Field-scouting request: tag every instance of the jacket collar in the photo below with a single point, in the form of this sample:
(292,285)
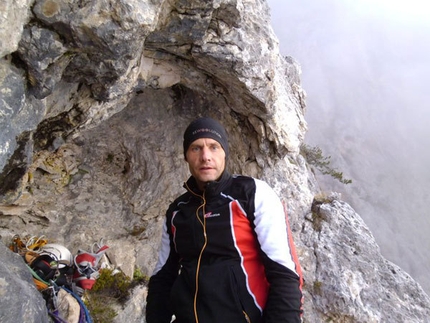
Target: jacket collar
(212,188)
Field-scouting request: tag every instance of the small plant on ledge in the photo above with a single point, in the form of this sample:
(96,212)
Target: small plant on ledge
(315,158)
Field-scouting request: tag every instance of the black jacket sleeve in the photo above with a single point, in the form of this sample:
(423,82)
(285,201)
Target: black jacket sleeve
(284,302)
(284,299)
(158,308)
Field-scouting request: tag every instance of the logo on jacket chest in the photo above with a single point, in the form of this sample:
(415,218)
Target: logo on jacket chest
(211,215)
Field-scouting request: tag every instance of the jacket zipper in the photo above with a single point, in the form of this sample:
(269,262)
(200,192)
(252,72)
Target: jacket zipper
(203,223)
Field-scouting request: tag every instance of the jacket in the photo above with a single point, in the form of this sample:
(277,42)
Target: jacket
(226,257)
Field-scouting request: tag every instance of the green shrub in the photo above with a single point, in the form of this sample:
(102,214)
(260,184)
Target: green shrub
(139,277)
(111,290)
(317,287)
(315,158)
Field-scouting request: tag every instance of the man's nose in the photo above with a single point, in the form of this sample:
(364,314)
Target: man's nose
(206,154)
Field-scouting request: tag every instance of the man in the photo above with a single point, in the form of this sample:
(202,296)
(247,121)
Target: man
(226,253)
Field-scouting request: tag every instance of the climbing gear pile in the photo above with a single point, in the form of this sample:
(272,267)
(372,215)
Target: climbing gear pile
(61,277)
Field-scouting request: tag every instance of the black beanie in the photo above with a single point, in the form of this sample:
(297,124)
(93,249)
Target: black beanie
(205,128)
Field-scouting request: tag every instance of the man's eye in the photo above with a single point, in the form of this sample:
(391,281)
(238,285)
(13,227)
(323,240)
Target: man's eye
(195,148)
(215,147)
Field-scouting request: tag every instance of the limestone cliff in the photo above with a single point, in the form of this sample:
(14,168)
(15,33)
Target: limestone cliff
(95,96)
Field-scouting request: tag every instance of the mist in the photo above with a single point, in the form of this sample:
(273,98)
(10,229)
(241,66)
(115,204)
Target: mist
(366,71)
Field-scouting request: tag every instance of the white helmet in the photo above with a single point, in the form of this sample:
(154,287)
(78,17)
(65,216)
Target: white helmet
(59,253)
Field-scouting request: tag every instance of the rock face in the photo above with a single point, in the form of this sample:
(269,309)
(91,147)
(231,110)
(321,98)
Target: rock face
(20,300)
(95,97)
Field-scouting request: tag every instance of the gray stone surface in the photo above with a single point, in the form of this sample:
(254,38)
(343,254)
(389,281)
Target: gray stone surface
(114,90)
(20,301)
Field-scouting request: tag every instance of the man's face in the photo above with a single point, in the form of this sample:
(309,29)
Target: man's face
(206,160)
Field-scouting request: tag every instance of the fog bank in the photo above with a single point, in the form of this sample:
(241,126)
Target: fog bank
(366,71)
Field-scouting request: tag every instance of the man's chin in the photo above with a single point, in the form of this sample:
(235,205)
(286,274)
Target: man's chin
(207,179)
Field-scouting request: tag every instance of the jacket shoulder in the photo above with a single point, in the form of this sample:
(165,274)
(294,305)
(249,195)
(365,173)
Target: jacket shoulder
(243,180)
(244,184)
(243,189)
(184,198)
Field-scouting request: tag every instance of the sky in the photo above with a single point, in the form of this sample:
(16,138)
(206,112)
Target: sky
(410,11)
(366,71)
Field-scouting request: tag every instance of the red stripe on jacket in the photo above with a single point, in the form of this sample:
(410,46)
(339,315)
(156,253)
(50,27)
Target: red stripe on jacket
(293,251)
(247,246)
